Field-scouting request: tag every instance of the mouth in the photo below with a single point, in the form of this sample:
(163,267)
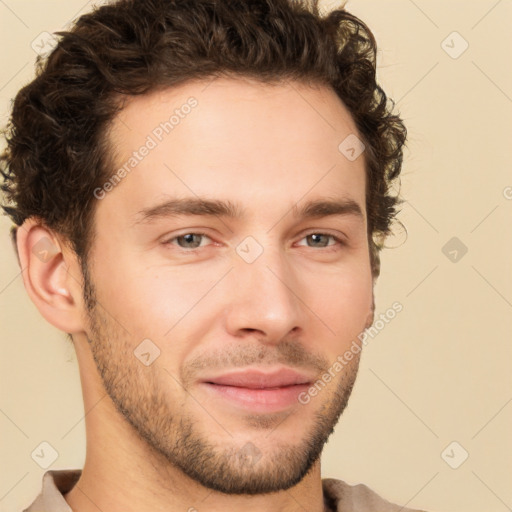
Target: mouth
(259,391)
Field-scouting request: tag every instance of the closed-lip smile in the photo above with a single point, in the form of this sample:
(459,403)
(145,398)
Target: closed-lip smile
(259,390)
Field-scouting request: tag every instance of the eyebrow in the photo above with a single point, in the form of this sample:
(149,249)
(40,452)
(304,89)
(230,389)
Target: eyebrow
(195,206)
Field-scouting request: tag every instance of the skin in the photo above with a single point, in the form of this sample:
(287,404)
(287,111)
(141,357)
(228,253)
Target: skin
(156,439)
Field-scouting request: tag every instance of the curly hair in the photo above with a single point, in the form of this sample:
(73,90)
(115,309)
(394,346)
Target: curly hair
(56,154)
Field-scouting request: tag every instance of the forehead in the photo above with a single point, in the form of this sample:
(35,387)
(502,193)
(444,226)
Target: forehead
(234,138)
(234,102)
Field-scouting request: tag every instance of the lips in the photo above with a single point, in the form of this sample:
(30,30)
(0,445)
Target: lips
(258,391)
(254,379)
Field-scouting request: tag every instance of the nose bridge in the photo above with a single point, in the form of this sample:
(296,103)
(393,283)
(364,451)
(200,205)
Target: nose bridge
(264,295)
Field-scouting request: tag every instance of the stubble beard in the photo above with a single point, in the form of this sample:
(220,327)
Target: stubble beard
(177,438)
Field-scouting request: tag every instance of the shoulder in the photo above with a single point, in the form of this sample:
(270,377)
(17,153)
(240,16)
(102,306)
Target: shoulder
(341,496)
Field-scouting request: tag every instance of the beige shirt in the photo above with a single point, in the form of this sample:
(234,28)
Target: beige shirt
(338,496)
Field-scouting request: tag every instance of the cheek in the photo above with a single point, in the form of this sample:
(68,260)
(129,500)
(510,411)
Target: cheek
(343,303)
(156,302)
(135,298)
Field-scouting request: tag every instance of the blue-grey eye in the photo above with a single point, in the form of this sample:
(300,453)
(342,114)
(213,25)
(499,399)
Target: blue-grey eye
(191,240)
(321,240)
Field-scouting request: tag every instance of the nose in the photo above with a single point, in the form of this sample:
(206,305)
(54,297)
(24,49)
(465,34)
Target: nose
(264,299)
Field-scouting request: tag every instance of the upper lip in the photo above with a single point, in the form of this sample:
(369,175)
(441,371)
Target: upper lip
(258,379)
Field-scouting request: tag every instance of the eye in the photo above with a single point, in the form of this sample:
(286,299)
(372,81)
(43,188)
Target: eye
(188,240)
(194,241)
(321,240)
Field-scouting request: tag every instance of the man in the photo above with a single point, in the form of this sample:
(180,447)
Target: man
(201,191)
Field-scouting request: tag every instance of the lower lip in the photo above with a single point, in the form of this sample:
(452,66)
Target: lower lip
(259,400)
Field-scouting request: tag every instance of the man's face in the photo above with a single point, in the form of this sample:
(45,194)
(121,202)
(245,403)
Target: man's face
(214,296)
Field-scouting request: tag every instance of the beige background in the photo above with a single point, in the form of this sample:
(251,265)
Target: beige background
(441,370)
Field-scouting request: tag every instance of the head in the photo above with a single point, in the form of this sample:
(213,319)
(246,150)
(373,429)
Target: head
(153,122)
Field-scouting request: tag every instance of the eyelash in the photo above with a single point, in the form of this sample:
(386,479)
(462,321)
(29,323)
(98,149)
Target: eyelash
(332,247)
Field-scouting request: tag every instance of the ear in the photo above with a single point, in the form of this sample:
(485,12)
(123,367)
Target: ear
(371,314)
(51,275)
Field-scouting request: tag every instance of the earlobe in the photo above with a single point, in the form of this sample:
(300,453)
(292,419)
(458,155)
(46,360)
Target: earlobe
(48,276)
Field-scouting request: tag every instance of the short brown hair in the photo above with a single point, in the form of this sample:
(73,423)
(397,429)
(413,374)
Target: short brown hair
(56,152)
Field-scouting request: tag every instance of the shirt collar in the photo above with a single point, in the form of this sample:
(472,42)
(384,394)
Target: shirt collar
(56,483)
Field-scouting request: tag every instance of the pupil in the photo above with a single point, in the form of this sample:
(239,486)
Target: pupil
(189,238)
(316,238)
